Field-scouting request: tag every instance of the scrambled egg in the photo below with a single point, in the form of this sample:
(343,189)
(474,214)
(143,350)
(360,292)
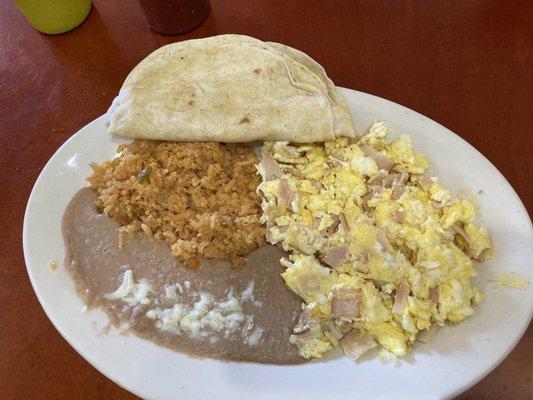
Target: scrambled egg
(375,245)
(511,280)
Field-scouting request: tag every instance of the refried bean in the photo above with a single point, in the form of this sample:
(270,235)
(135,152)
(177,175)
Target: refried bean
(199,198)
(263,310)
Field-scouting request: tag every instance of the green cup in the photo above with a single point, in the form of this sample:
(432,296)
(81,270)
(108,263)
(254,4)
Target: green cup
(54,16)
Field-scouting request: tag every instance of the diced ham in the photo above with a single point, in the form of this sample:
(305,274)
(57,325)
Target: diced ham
(338,159)
(343,326)
(425,180)
(305,322)
(383,241)
(343,224)
(308,284)
(397,192)
(389,180)
(377,177)
(383,162)
(356,343)
(399,216)
(404,176)
(367,197)
(372,191)
(361,261)
(345,303)
(396,181)
(434,295)
(337,255)
(401,297)
(268,167)
(286,194)
(339,155)
(375,188)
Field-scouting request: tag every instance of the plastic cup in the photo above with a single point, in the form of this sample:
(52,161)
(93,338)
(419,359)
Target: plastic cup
(54,16)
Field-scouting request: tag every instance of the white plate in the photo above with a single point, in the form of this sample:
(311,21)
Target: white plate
(455,359)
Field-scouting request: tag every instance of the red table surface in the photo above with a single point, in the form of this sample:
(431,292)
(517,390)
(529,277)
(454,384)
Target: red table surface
(465,64)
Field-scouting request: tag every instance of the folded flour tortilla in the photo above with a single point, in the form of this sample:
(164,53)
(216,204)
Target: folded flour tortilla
(229,88)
